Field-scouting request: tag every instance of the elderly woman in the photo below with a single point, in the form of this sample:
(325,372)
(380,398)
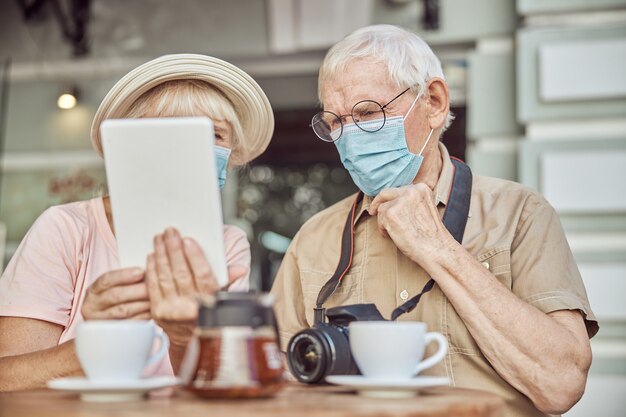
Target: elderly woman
(509,297)
(66,269)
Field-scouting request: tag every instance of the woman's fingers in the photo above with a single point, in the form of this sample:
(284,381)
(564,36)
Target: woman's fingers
(121,311)
(182,268)
(203,275)
(152,281)
(113,288)
(141,316)
(126,310)
(183,278)
(122,294)
(176,309)
(117,277)
(163,270)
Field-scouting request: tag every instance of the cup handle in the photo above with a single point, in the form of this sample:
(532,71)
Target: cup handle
(163,349)
(438,356)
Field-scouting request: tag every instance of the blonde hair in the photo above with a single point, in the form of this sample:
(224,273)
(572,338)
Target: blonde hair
(187,98)
(410,61)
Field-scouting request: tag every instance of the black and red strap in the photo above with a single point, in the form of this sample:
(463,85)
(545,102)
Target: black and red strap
(345,261)
(454,219)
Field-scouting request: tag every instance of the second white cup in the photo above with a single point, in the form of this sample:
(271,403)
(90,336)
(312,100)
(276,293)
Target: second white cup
(393,350)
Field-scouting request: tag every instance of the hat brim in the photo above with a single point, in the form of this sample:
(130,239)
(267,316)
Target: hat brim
(247,97)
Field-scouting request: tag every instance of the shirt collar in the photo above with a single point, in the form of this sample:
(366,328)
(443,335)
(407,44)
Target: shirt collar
(441,192)
(365,205)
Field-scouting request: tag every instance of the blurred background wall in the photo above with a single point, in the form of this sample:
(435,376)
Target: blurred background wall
(538,87)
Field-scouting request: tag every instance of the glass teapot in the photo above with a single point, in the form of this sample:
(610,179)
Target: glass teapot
(234,351)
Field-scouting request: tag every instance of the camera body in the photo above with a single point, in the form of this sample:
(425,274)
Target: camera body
(324,349)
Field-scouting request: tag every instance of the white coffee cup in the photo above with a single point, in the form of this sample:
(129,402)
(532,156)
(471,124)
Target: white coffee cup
(393,350)
(118,350)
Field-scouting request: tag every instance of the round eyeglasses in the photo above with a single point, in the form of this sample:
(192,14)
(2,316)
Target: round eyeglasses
(367,115)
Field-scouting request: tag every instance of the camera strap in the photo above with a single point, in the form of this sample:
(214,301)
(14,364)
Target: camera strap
(454,219)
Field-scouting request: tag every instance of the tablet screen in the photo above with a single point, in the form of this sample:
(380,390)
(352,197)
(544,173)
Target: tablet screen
(161,173)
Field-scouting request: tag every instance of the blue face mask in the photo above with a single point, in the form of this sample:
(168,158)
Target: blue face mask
(221,163)
(381,159)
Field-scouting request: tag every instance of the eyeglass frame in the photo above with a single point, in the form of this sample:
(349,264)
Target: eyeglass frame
(340,117)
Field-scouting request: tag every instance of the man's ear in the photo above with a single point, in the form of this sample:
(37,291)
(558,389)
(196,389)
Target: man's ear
(438,99)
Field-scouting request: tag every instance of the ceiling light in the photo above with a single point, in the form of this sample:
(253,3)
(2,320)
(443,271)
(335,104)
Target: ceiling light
(68,98)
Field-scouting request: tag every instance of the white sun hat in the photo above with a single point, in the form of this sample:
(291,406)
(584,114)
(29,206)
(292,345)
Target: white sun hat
(247,97)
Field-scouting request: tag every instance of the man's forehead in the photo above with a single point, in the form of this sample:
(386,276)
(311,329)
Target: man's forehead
(357,72)
(367,82)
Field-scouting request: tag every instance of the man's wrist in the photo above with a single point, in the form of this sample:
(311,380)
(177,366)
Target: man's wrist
(443,257)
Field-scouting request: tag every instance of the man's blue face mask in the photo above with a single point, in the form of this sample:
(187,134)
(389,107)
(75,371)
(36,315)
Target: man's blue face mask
(221,164)
(381,159)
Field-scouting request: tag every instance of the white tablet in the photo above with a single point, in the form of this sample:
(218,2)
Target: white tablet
(161,173)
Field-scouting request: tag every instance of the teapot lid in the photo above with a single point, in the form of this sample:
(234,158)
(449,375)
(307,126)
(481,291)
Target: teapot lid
(236,309)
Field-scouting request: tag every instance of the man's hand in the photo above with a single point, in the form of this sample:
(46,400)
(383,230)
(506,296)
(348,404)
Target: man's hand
(409,217)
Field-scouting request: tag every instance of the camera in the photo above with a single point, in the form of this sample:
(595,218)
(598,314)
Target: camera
(324,349)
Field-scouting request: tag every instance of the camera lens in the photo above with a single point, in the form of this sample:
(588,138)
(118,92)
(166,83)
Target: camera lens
(307,358)
(314,353)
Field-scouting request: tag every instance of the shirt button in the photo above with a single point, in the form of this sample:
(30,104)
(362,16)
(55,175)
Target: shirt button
(486,264)
(404,295)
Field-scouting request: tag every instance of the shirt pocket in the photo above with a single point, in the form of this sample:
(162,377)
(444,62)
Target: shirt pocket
(350,291)
(498,262)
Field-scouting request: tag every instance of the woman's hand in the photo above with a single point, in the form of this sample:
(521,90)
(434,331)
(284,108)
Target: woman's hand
(176,273)
(117,295)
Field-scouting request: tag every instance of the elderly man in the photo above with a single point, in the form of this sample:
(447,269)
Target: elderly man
(509,299)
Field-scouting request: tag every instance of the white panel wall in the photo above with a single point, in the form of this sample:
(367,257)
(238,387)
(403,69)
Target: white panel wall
(605,396)
(585,181)
(570,72)
(582,70)
(301,25)
(606,287)
(571,91)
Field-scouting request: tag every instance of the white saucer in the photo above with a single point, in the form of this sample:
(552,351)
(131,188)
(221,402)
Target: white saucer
(387,387)
(108,391)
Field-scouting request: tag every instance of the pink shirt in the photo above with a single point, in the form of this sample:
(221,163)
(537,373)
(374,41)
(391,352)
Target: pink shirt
(64,252)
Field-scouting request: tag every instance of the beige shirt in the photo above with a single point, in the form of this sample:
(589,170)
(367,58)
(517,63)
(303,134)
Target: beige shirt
(511,230)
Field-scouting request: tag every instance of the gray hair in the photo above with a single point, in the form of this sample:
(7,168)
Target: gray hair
(409,60)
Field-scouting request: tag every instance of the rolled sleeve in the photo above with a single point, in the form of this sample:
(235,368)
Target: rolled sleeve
(39,280)
(542,265)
